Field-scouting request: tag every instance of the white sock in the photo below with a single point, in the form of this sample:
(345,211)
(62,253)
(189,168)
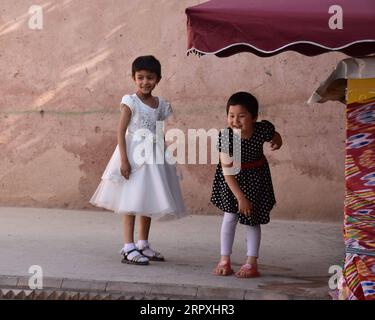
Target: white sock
(128,246)
(141,244)
(131,246)
(145,246)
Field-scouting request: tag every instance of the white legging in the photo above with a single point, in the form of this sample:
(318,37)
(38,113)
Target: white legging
(228,230)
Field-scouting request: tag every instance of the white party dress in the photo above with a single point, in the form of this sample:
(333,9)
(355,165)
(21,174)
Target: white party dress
(153,187)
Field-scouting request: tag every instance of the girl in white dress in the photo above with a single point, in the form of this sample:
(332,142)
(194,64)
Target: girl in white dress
(138,179)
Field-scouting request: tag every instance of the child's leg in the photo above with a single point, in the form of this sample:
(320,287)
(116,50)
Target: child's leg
(250,268)
(128,222)
(144,227)
(253,236)
(143,244)
(228,229)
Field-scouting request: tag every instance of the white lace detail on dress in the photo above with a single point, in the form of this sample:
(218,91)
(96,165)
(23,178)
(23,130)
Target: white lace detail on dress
(143,116)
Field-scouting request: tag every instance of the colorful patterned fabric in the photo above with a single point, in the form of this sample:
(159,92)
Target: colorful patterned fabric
(358,279)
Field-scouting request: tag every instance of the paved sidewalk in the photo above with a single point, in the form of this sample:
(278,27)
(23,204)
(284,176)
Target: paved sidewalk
(79,250)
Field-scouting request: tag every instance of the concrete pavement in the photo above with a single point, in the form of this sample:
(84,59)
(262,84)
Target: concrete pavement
(79,250)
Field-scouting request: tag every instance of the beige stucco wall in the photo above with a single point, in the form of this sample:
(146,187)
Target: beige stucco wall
(61,87)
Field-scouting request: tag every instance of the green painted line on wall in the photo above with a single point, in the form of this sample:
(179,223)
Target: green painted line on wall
(63,113)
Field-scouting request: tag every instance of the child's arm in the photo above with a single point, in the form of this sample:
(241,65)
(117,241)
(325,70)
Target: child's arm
(244,205)
(276,141)
(170,122)
(169,117)
(123,124)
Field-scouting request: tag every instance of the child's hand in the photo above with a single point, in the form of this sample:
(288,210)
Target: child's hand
(276,142)
(245,206)
(125,169)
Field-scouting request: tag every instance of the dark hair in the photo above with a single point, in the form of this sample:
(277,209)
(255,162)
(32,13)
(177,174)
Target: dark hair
(149,63)
(246,100)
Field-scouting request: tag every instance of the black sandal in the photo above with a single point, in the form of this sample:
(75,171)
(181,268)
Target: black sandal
(135,259)
(157,256)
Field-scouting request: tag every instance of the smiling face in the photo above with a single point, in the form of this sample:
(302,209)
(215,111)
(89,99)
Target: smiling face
(145,81)
(240,118)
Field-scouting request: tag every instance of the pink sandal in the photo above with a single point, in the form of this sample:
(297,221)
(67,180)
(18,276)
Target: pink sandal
(247,271)
(223,269)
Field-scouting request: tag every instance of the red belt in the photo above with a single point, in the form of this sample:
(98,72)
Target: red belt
(253,164)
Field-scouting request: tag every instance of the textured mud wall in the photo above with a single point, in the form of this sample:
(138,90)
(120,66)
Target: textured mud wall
(61,87)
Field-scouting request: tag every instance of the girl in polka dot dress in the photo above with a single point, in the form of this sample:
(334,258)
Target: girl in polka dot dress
(246,195)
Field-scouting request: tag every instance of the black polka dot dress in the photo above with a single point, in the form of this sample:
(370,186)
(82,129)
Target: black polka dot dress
(255,183)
